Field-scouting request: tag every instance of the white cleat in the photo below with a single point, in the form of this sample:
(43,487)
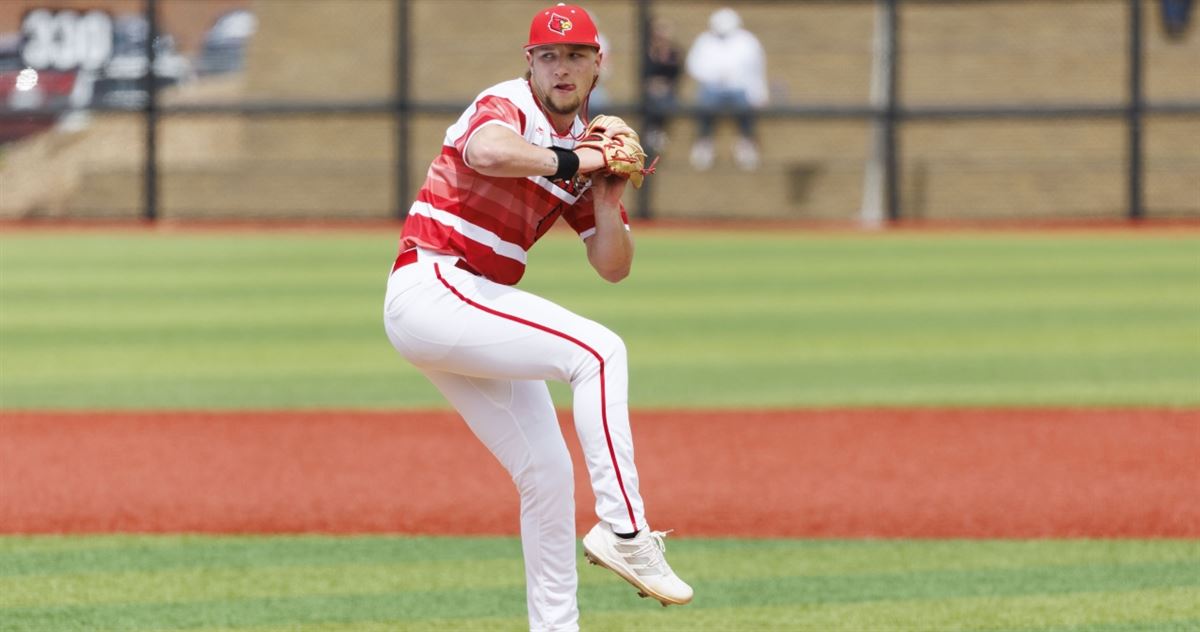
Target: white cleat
(639,561)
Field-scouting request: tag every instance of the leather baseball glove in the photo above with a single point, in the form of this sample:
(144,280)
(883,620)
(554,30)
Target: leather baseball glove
(620,146)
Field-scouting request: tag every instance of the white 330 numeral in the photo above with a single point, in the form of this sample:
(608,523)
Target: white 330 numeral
(65,40)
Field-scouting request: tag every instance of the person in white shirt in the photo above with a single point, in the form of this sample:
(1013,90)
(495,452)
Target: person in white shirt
(730,65)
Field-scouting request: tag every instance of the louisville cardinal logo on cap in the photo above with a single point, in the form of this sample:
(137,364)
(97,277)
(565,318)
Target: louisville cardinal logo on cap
(562,24)
(559,24)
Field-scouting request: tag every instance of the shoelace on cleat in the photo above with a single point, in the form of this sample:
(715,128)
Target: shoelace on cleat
(649,557)
(659,538)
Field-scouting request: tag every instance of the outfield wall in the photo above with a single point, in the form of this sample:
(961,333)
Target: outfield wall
(819,53)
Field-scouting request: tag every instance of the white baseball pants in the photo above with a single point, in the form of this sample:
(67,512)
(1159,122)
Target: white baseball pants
(488,348)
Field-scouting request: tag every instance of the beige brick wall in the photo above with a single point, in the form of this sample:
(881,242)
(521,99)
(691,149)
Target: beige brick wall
(338,50)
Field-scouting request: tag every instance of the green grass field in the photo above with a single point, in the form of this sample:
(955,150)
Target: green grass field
(385,583)
(200,320)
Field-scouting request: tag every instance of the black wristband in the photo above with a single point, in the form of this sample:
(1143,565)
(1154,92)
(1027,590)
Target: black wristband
(568,164)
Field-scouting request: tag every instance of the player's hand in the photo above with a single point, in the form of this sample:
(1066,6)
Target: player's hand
(608,126)
(619,148)
(608,188)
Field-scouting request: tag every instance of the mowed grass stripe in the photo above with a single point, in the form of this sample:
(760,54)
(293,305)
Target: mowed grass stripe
(207,584)
(701,564)
(737,559)
(65,555)
(1165,609)
(946,584)
(50,555)
(252,582)
(934,594)
(239,613)
(1135,611)
(1168,609)
(131,320)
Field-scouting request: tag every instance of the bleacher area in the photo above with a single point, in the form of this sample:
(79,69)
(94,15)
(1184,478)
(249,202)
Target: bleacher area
(819,53)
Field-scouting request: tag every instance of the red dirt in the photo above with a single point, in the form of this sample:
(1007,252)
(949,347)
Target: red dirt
(813,473)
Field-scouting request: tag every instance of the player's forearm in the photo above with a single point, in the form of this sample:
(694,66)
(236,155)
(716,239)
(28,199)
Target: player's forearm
(610,249)
(499,152)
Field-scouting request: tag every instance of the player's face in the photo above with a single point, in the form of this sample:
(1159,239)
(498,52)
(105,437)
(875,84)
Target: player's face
(562,74)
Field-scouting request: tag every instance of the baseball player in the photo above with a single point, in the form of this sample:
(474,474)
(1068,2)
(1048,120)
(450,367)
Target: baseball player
(519,158)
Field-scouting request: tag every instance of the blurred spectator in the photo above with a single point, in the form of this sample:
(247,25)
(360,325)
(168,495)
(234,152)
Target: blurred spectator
(224,48)
(664,63)
(730,65)
(1175,17)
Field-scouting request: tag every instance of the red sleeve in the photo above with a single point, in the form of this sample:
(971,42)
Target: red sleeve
(490,109)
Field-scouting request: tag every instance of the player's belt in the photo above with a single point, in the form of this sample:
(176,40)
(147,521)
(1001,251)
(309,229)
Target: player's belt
(410,256)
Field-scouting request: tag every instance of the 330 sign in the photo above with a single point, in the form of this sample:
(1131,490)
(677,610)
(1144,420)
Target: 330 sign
(66,39)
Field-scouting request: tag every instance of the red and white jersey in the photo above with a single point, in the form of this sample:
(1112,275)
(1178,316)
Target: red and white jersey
(492,222)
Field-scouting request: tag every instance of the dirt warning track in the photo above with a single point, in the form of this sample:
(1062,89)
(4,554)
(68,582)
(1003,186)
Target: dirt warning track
(813,473)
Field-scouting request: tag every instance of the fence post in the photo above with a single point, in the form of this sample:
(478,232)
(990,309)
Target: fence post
(643,32)
(150,177)
(891,151)
(402,110)
(875,198)
(1134,111)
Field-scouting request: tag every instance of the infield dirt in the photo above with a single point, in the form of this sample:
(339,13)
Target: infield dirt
(925,473)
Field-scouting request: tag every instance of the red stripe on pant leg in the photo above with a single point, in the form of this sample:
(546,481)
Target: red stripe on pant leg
(603,401)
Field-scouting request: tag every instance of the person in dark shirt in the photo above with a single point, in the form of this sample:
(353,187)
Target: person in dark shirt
(664,63)
(1175,17)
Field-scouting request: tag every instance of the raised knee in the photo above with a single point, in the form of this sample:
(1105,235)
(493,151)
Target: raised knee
(610,347)
(604,349)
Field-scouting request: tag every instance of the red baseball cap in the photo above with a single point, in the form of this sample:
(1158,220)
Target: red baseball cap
(563,24)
